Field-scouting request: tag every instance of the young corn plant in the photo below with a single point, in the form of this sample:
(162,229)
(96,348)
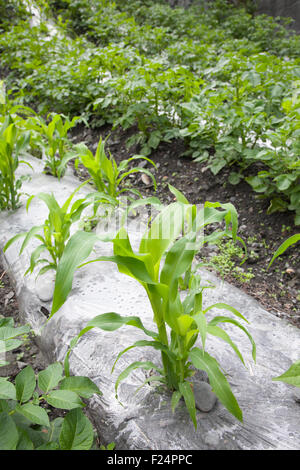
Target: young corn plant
(107,176)
(54,233)
(12,144)
(215,238)
(56,145)
(162,259)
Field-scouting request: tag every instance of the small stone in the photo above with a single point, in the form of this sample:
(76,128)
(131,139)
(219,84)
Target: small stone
(290,271)
(146,180)
(205,399)
(45,287)
(200,376)
(10,295)
(21,364)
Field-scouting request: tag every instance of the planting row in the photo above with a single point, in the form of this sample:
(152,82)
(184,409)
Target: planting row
(163,264)
(224,81)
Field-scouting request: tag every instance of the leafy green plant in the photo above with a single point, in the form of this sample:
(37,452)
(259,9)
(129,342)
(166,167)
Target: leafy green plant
(186,318)
(225,262)
(24,421)
(107,176)
(55,230)
(9,334)
(284,246)
(57,144)
(12,144)
(291,376)
(216,77)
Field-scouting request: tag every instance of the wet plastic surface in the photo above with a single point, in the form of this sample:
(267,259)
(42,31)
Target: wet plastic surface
(145,420)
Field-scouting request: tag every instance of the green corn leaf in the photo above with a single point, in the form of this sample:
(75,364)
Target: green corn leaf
(220,333)
(178,194)
(68,201)
(35,256)
(147,365)
(153,201)
(50,202)
(223,306)
(77,431)
(221,319)
(184,322)
(143,343)
(138,170)
(163,231)
(178,260)
(44,269)
(291,376)
(203,361)
(13,240)
(30,234)
(110,321)
(186,390)
(284,246)
(76,251)
(175,399)
(201,323)
(135,266)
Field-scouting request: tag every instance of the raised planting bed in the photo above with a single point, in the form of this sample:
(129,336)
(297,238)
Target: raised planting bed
(145,420)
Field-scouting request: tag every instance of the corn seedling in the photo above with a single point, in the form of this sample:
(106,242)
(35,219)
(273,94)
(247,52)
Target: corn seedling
(107,176)
(56,143)
(55,232)
(186,319)
(12,144)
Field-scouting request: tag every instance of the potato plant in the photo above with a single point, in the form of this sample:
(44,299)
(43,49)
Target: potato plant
(171,75)
(24,421)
